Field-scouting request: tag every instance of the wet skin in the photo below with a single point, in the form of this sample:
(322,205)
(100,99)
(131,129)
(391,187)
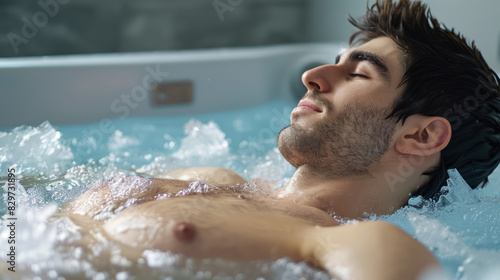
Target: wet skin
(229,223)
(194,221)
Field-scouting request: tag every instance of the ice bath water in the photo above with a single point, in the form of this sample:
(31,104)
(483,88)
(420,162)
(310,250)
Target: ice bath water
(55,164)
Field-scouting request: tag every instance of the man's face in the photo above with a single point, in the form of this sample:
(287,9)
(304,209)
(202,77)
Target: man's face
(339,126)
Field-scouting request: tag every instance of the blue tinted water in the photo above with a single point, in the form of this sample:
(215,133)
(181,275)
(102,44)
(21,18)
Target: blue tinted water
(57,163)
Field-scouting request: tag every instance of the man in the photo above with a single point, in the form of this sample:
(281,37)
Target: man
(384,123)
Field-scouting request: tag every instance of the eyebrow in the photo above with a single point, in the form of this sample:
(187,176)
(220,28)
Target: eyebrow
(372,58)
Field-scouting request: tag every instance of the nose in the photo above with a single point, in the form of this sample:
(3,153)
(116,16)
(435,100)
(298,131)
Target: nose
(319,78)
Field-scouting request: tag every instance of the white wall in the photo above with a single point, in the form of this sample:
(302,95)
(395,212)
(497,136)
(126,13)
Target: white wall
(478,20)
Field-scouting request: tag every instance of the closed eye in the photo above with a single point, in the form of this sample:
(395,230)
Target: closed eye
(358,75)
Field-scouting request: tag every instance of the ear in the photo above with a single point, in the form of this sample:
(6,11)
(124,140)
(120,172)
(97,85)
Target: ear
(422,135)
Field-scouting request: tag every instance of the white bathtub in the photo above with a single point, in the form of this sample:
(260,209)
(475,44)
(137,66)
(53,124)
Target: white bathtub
(88,88)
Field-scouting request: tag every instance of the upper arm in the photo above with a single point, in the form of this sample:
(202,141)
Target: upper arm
(374,250)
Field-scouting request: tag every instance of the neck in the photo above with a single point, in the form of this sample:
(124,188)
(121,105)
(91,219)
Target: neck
(344,197)
(348,197)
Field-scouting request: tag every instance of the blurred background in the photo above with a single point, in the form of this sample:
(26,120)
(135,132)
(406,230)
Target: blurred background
(61,27)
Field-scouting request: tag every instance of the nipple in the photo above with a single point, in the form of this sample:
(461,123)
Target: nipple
(184,232)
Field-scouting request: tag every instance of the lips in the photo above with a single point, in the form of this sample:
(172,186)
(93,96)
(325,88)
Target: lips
(306,105)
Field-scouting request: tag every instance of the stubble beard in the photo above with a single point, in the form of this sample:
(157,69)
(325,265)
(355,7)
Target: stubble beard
(342,147)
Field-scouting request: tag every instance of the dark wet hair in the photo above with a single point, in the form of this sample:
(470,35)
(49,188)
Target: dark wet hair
(444,76)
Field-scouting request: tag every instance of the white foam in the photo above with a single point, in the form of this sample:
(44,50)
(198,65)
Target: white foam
(273,167)
(35,150)
(493,186)
(438,237)
(457,190)
(158,259)
(259,187)
(179,267)
(196,187)
(202,141)
(460,228)
(122,186)
(35,238)
(118,141)
(170,142)
(203,145)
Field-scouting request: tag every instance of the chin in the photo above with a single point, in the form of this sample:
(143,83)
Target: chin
(302,125)
(294,143)
(286,148)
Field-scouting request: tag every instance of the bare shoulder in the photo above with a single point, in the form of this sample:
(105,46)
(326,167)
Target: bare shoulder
(111,195)
(210,175)
(372,250)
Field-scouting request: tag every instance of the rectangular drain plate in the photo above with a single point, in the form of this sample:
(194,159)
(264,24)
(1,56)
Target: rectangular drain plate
(172,93)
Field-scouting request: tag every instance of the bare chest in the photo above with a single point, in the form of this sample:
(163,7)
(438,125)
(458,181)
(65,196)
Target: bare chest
(192,199)
(204,204)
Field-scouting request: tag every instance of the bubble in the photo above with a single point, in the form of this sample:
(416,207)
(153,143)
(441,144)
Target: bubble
(118,141)
(202,140)
(460,228)
(258,187)
(122,186)
(272,167)
(34,237)
(34,150)
(196,187)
